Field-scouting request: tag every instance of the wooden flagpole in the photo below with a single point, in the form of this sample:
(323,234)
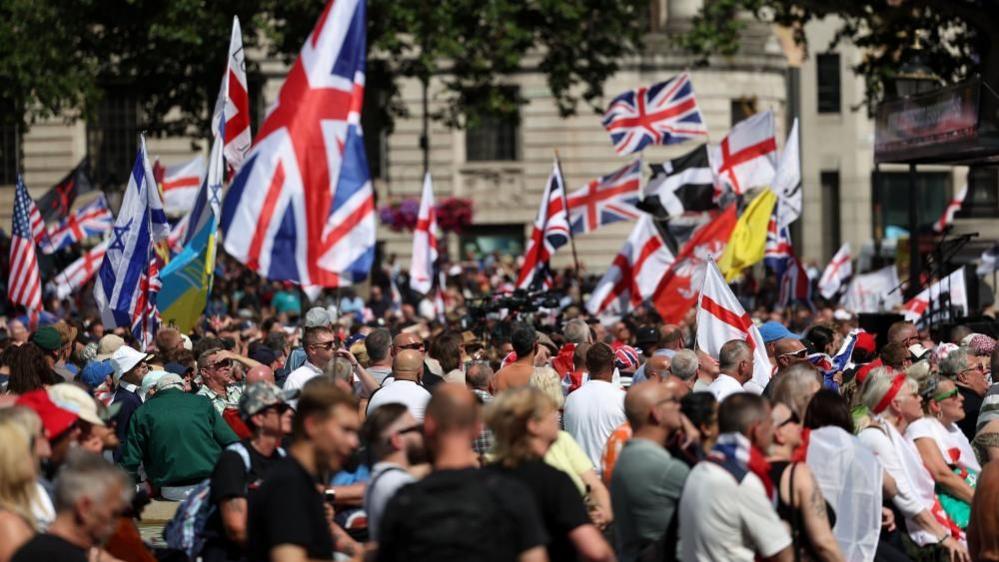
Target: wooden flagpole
(572,239)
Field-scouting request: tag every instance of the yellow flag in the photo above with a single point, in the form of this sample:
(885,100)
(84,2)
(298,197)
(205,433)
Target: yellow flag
(749,238)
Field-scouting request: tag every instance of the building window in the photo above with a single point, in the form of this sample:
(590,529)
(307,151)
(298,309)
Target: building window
(10,148)
(113,138)
(742,109)
(828,75)
(982,200)
(375,124)
(493,138)
(482,240)
(894,192)
(831,234)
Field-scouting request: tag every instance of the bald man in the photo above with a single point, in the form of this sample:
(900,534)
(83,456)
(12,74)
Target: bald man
(259,373)
(454,489)
(657,368)
(789,351)
(647,480)
(404,385)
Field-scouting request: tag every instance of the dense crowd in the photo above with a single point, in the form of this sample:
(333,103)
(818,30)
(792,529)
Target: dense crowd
(382,429)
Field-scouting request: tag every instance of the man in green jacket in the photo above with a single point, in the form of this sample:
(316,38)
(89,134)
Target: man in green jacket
(177,438)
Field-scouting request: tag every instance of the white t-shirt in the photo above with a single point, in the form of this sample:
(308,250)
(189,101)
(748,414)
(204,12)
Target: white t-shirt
(946,439)
(914,482)
(386,478)
(725,386)
(727,521)
(401,391)
(297,379)
(591,414)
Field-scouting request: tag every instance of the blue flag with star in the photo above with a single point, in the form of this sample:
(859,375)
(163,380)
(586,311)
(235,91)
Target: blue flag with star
(127,281)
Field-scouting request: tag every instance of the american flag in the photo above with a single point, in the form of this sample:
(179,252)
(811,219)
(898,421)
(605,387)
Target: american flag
(24,286)
(665,113)
(92,219)
(606,200)
(551,232)
(302,204)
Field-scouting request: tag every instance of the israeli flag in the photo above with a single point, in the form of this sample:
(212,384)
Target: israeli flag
(125,284)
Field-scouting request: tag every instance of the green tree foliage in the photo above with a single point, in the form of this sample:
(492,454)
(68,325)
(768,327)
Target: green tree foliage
(58,57)
(954,38)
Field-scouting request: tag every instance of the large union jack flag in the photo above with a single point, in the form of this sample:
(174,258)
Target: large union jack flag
(665,113)
(301,208)
(92,219)
(611,198)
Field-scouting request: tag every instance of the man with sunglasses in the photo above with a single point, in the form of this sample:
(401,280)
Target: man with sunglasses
(395,443)
(217,369)
(243,466)
(320,346)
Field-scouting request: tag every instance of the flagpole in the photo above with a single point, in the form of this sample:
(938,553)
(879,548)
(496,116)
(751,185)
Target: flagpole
(572,239)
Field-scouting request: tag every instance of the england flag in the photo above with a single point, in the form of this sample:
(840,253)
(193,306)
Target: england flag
(838,273)
(747,156)
(301,208)
(425,236)
(635,272)
(232,107)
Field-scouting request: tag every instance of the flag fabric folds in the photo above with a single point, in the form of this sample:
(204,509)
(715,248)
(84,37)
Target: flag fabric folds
(76,274)
(721,318)
(792,279)
(232,106)
(939,299)
(787,179)
(634,273)
(747,156)
(128,279)
(664,113)
(947,218)
(747,244)
(425,236)
(551,231)
(676,293)
(876,291)
(301,208)
(179,184)
(837,273)
(686,183)
(58,200)
(24,286)
(92,219)
(606,200)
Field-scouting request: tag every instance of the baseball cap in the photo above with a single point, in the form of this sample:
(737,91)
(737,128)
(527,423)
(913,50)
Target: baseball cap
(47,338)
(72,398)
(262,354)
(125,359)
(317,316)
(176,368)
(107,345)
(260,395)
(55,419)
(626,358)
(773,331)
(95,372)
(169,380)
(647,335)
(150,380)
(865,342)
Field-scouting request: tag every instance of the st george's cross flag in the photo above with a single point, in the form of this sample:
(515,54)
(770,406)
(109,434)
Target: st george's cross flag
(301,208)
(836,275)
(24,284)
(128,279)
(425,237)
(721,318)
(179,184)
(940,299)
(634,273)
(232,106)
(609,199)
(664,113)
(76,274)
(550,232)
(747,156)
(953,206)
(680,185)
(787,179)
(92,219)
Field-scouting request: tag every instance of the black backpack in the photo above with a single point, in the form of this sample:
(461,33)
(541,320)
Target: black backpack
(454,518)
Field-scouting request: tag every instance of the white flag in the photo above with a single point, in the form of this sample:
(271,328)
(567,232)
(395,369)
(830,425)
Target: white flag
(787,181)
(231,115)
(874,292)
(425,236)
(80,271)
(952,208)
(839,270)
(721,318)
(635,273)
(180,185)
(747,156)
(952,287)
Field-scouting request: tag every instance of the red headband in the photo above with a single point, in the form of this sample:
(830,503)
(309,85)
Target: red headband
(896,385)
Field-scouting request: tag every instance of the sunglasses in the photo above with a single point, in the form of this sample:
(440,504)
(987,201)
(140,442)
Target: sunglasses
(944,396)
(223,364)
(325,345)
(800,354)
(417,345)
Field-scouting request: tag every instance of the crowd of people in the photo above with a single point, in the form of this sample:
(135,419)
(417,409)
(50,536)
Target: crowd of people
(371,429)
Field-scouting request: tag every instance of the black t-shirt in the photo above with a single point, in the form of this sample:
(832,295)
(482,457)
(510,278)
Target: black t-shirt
(562,508)
(46,548)
(288,509)
(972,406)
(231,480)
(461,515)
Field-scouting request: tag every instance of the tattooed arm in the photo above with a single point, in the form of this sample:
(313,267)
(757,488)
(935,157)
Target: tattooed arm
(809,500)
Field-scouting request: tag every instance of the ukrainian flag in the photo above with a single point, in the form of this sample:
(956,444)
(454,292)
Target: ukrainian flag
(187,280)
(749,238)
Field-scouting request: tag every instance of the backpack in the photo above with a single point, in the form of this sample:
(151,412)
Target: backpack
(453,520)
(186,529)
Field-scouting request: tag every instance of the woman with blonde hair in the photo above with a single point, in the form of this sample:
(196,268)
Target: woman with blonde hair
(525,425)
(893,402)
(18,488)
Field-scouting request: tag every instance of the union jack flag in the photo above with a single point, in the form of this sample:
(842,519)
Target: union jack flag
(551,232)
(665,113)
(92,219)
(609,199)
(791,275)
(301,207)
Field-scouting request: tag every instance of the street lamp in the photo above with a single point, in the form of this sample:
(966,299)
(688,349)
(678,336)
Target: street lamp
(914,77)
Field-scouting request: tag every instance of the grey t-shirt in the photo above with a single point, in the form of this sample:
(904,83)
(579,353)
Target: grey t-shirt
(645,490)
(386,479)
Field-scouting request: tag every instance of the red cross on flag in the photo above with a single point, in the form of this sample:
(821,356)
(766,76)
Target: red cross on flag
(425,235)
(747,156)
(635,272)
(80,271)
(837,273)
(721,318)
(944,295)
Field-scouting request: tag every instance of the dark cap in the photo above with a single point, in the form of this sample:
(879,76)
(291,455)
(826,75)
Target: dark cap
(647,335)
(263,354)
(47,338)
